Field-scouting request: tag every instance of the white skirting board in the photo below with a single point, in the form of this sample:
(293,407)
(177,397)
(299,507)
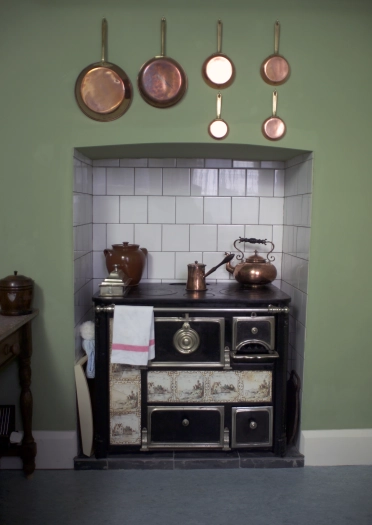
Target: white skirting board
(336,447)
(55,450)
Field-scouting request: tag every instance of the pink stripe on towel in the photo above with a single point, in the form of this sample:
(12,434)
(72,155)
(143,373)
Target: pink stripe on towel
(132,348)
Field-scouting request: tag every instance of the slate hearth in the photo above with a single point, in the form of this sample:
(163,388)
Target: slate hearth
(191,460)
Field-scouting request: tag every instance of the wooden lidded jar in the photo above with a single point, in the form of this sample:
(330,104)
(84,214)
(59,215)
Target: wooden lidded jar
(16,293)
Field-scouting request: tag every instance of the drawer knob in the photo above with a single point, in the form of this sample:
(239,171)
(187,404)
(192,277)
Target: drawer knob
(11,349)
(185,422)
(254,330)
(252,424)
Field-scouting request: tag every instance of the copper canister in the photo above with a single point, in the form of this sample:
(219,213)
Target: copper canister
(16,294)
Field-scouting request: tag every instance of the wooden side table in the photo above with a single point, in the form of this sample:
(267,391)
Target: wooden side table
(16,343)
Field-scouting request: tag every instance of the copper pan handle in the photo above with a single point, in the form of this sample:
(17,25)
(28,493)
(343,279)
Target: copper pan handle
(275,102)
(219,36)
(276,38)
(104,37)
(162,53)
(219,105)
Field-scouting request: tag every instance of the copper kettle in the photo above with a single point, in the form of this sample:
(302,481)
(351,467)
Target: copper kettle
(255,270)
(196,274)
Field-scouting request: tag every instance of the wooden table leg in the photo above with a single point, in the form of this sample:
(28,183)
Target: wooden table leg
(28,453)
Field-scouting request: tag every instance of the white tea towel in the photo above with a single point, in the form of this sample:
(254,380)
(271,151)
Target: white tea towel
(133,338)
(89,347)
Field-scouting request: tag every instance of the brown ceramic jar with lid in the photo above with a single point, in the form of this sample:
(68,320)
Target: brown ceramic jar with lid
(16,293)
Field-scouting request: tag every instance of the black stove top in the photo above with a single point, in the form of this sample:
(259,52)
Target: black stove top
(217,295)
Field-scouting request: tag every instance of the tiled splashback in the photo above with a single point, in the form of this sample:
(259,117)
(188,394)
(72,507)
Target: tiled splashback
(183,210)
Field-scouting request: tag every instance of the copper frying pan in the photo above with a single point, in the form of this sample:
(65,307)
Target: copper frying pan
(103,91)
(274,127)
(218,70)
(218,129)
(161,81)
(275,69)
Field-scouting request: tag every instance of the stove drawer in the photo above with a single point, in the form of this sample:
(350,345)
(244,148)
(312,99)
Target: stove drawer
(185,341)
(253,335)
(252,427)
(185,427)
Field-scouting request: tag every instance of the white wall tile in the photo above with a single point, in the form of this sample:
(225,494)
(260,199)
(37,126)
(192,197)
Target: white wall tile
(227,235)
(119,233)
(133,209)
(120,181)
(260,183)
(133,163)
(279,179)
(305,210)
(300,339)
(299,305)
(304,177)
(204,182)
(278,237)
(291,181)
(190,163)
(161,209)
(258,231)
(303,242)
(161,265)
(99,181)
(218,163)
(246,163)
(203,238)
(245,210)
(176,238)
(106,162)
(99,237)
(106,209)
(231,182)
(211,259)
(290,239)
(148,181)
(276,164)
(189,210)
(271,210)
(217,210)
(148,236)
(277,263)
(99,265)
(183,259)
(303,274)
(162,163)
(176,181)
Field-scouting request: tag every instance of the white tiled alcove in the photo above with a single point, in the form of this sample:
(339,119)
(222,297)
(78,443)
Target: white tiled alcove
(183,210)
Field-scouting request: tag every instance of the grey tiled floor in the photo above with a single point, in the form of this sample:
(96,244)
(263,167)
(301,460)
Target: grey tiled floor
(306,496)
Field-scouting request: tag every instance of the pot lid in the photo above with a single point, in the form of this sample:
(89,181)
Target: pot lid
(126,245)
(196,264)
(255,258)
(16,281)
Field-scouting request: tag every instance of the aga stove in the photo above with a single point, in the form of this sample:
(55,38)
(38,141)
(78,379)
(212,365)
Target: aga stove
(218,379)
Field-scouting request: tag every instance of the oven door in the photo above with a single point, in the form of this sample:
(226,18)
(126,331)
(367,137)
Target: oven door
(189,341)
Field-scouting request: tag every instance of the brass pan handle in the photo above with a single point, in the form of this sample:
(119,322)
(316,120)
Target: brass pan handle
(162,53)
(104,37)
(276,38)
(219,36)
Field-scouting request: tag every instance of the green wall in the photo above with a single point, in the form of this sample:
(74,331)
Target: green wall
(326,105)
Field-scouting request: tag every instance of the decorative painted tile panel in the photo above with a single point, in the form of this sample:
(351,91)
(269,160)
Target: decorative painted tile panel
(209,386)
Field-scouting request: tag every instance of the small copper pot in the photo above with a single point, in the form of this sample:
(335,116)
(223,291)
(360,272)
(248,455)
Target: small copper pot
(16,294)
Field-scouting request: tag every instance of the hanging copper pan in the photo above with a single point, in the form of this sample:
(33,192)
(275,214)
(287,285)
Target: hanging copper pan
(161,81)
(275,69)
(218,129)
(274,127)
(103,91)
(218,70)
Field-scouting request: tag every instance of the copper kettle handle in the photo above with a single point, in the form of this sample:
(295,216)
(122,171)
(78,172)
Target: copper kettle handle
(252,240)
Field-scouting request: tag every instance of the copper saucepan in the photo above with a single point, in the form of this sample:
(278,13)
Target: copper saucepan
(274,128)
(218,70)
(275,69)
(161,81)
(103,91)
(218,129)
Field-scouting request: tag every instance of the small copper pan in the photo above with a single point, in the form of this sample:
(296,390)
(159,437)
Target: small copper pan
(218,70)
(103,91)
(218,129)
(274,127)
(275,69)
(161,81)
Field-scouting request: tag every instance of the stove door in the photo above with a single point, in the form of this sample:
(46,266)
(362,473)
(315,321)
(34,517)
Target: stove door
(189,341)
